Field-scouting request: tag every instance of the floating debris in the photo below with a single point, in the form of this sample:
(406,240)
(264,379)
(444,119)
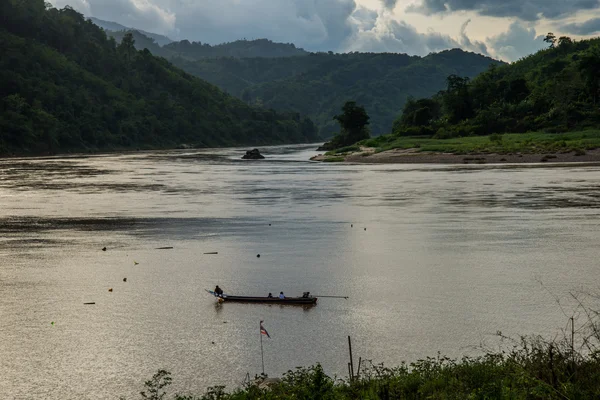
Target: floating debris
(124,279)
(365,229)
(164,248)
(110,290)
(135,263)
(269,224)
(351,225)
(212,252)
(89,303)
(52,323)
(104,249)
(258,255)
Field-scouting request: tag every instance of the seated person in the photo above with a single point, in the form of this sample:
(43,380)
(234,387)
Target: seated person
(270,296)
(281,296)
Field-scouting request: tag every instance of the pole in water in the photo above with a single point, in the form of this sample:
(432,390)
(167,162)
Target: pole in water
(351,363)
(262,356)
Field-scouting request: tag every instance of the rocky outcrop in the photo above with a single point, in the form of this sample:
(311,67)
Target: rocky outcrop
(253,155)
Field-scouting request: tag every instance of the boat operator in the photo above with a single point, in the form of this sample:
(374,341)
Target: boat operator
(218,291)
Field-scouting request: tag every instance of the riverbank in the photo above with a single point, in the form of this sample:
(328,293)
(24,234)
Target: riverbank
(368,155)
(536,147)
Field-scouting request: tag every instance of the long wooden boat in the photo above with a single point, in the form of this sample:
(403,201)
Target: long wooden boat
(267,300)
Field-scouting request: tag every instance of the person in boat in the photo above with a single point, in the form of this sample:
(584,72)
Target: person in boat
(218,291)
(270,296)
(281,295)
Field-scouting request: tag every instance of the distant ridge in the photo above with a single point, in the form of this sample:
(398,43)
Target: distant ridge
(161,40)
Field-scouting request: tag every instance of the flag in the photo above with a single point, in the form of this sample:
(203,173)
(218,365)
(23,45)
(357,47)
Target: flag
(263,331)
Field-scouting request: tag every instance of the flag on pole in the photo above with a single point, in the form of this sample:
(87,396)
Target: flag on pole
(263,331)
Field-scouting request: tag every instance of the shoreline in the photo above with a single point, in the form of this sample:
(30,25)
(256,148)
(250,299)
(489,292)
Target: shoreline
(414,156)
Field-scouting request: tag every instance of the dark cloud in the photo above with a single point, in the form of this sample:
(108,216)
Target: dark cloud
(389,4)
(528,10)
(589,27)
(517,42)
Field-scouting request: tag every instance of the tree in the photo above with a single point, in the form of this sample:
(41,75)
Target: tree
(457,99)
(550,39)
(353,123)
(564,41)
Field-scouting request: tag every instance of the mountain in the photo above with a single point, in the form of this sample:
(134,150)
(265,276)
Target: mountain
(161,40)
(319,84)
(238,49)
(283,77)
(67,86)
(554,90)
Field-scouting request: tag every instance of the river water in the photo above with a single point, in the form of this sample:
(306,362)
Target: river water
(439,258)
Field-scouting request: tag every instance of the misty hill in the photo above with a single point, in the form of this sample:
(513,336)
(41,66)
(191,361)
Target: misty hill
(197,50)
(160,40)
(67,86)
(554,90)
(318,84)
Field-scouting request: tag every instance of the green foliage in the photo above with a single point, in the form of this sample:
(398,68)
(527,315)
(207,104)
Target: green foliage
(554,90)
(155,386)
(68,87)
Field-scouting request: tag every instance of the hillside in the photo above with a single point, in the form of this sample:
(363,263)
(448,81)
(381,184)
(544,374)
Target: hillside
(66,86)
(274,75)
(317,85)
(554,90)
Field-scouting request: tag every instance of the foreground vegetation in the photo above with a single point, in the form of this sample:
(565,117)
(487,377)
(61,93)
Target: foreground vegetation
(525,143)
(67,86)
(529,368)
(534,370)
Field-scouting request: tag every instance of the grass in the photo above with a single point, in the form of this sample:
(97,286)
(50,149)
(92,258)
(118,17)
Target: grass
(532,143)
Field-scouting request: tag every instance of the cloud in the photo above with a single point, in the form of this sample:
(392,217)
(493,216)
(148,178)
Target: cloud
(141,14)
(527,10)
(517,42)
(467,44)
(589,27)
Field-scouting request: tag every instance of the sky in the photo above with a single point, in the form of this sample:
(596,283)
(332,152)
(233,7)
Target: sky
(503,29)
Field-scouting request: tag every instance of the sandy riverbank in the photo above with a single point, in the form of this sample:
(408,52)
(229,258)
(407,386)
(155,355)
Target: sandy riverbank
(414,156)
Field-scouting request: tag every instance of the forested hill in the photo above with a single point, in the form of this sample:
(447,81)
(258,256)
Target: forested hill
(66,86)
(554,90)
(318,84)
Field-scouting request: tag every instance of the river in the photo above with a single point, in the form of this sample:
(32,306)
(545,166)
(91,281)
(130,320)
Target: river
(433,259)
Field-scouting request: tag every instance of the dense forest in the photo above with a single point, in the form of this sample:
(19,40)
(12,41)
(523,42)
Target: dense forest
(282,77)
(554,90)
(67,86)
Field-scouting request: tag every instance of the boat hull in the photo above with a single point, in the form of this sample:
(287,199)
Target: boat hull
(265,300)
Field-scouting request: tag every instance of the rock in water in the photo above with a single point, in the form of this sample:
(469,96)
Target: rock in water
(253,155)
